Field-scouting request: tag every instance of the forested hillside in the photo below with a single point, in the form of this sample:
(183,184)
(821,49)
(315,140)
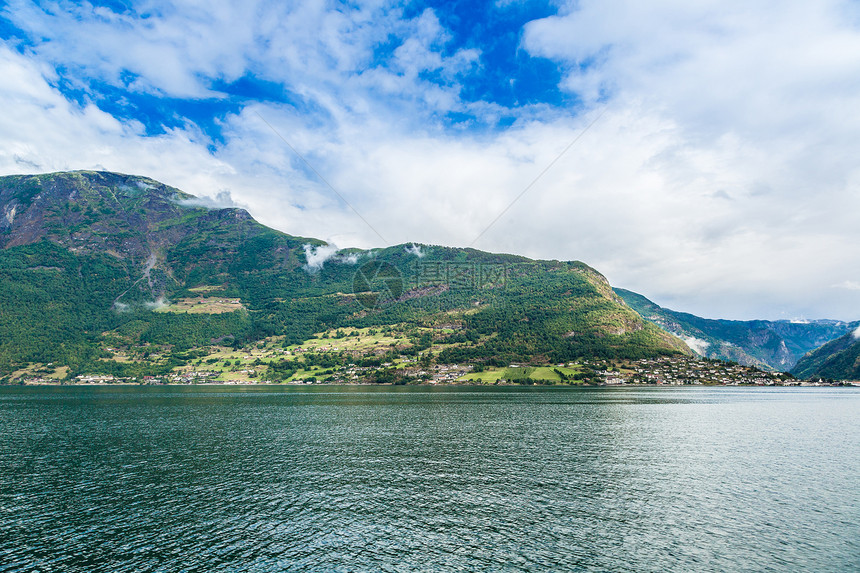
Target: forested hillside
(95,261)
(837,360)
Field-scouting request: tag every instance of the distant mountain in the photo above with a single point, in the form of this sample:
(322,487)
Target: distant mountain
(94,261)
(838,359)
(771,345)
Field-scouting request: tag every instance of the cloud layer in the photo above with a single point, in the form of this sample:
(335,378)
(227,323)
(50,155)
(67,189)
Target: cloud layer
(720,176)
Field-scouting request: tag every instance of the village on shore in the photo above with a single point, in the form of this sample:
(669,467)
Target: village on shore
(664,371)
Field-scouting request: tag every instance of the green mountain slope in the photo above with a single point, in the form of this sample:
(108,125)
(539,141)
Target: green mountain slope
(838,359)
(92,261)
(771,345)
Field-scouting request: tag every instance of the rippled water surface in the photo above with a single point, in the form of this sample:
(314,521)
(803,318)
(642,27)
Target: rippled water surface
(429,479)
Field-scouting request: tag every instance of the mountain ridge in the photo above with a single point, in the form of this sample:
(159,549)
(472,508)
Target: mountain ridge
(122,247)
(839,359)
(771,345)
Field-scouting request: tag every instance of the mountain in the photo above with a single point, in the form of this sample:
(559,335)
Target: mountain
(838,359)
(101,272)
(770,345)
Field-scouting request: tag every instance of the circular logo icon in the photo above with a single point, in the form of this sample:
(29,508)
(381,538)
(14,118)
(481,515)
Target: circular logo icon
(377,283)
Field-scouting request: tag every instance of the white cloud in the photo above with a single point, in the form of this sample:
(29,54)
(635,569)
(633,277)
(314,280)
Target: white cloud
(326,58)
(169,51)
(317,256)
(697,345)
(223,199)
(746,102)
(42,131)
(416,250)
(155,305)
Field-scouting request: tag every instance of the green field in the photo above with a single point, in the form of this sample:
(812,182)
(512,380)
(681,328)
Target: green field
(534,373)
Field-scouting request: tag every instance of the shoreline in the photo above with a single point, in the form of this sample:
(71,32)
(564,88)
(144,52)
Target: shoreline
(840,384)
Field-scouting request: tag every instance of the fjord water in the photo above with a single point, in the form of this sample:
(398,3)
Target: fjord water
(429,479)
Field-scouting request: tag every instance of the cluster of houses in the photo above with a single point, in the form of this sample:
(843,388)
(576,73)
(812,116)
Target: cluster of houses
(680,371)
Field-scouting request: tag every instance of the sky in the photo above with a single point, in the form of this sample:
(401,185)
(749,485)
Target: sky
(704,154)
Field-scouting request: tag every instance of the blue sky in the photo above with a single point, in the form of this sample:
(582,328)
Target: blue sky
(720,175)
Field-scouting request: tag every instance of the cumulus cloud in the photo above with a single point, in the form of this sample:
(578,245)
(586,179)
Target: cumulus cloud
(328,59)
(44,131)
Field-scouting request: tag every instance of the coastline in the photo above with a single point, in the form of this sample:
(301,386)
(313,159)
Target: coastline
(799,384)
